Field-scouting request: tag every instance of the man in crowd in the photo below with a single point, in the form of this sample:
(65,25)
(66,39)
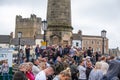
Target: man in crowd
(27,51)
(42,75)
(37,51)
(89,52)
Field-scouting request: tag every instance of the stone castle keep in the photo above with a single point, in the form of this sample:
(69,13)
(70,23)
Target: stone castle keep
(30,27)
(59,22)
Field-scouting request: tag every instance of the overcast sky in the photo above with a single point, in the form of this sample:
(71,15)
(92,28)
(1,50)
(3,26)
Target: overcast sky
(90,16)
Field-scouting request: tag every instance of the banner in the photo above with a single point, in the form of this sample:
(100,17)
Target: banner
(6,54)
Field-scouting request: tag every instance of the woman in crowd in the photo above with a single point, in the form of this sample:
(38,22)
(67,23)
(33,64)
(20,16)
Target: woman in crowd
(29,73)
(104,65)
(5,70)
(82,71)
(42,66)
(96,73)
(64,75)
(20,75)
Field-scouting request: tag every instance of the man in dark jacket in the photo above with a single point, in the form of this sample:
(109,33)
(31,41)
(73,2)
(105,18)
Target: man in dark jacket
(113,72)
(89,52)
(27,51)
(37,51)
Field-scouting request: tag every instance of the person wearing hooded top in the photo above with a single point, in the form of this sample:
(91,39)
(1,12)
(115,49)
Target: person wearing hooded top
(113,72)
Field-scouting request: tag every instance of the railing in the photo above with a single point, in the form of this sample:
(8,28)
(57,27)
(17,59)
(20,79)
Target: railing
(12,70)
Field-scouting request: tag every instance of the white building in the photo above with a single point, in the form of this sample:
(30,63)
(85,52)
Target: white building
(77,40)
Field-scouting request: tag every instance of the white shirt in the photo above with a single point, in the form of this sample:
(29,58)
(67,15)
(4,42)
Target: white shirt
(41,76)
(82,72)
(35,70)
(47,64)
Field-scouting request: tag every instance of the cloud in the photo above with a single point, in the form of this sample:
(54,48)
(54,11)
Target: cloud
(34,3)
(91,16)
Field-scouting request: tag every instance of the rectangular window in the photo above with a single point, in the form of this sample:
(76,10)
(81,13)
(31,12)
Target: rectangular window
(98,49)
(92,42)
(87,42)
(77,43)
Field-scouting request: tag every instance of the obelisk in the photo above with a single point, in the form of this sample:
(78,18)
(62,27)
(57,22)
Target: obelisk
(59,29)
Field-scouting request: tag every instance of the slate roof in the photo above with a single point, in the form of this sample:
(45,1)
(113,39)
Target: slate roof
(5,39)
(91,36)
(23,41)
(77,37)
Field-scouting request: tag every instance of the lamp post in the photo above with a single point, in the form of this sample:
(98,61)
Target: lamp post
(103,34)
(44,28)
(81,45)
(19,36)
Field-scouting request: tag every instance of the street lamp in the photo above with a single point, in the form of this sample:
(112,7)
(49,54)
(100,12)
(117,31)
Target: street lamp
(103,34)
(19,36)
(44,28)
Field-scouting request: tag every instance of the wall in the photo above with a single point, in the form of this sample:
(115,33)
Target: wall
(95,42)
(29,27)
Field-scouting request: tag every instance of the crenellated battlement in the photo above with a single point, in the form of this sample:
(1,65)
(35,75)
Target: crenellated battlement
(28,26)
(32,18)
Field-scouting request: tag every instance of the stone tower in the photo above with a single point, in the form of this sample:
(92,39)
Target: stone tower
(59,29)
(30,27)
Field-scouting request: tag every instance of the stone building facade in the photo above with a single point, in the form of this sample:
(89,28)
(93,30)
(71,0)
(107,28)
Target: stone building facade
(86,41)
(77,39)
(59,29)
(30,27)
(95,42)
(115,52)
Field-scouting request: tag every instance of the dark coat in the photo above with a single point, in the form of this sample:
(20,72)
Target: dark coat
(19,75)
(113,72)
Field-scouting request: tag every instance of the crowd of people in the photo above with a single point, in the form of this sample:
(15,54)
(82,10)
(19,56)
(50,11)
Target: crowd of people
(69,63)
